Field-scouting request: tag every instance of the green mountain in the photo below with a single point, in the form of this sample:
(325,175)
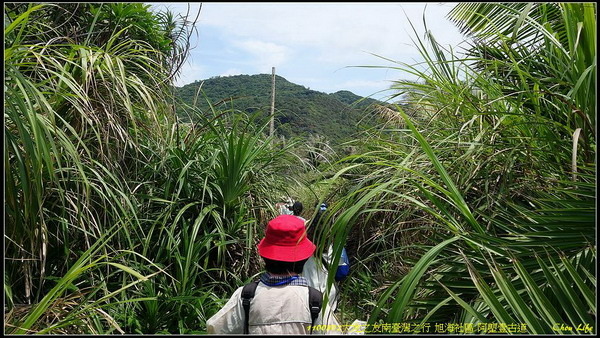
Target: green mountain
(299,111)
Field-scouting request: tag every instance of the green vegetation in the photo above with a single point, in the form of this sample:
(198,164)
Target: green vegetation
(483,204)
(110,227)
(473,204)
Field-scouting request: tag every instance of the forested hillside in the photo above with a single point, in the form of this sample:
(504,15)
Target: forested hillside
(299,111)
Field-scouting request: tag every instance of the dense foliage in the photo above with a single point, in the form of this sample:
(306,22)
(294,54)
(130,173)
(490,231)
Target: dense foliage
(483,204)
(471,208)
(117,218)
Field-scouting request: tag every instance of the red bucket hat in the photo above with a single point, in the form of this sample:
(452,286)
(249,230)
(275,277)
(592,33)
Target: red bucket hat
(285,240)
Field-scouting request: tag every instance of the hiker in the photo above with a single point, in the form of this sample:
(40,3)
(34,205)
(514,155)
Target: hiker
(296,210)
(316,269)
(343,267)
(284,207)
(282,300)
(315,222)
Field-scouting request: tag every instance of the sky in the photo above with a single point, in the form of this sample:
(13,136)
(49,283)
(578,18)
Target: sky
(323,46)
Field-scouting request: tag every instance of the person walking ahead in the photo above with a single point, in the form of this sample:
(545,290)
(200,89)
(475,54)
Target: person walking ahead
(281,300)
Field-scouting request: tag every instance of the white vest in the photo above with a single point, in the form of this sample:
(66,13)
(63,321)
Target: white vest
(273,310)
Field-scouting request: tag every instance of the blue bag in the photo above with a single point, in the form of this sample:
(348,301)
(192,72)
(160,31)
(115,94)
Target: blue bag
(343,269)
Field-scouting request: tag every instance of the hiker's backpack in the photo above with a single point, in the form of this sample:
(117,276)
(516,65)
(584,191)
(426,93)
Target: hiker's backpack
(315,301)
(343,269)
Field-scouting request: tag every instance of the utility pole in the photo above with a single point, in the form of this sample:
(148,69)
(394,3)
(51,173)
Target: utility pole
(272,125)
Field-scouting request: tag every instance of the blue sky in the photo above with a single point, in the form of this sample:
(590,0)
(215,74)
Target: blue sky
(321,46)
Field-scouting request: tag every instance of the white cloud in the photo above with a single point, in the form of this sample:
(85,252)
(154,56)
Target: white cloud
(190,72)
(265,54)
(340,32)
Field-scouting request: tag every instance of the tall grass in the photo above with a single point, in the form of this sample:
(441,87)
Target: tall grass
(72,114)
(118,218)
(201,227)
(474,195)
(466,209)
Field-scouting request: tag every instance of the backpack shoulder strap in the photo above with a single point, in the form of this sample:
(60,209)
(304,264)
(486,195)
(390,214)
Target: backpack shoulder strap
(247,295)
(315,302)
